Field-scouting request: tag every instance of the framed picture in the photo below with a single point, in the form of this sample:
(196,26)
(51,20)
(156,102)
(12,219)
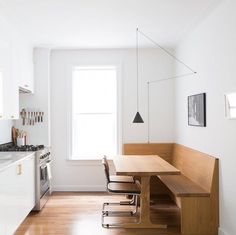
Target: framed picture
(197,110)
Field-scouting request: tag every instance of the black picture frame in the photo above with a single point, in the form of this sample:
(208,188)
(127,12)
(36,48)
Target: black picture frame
(197,110)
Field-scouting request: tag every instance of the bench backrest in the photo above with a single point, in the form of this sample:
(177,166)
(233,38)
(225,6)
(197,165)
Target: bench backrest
(163,150)
(197,166)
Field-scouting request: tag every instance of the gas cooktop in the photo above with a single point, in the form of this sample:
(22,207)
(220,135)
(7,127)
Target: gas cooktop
(23,148)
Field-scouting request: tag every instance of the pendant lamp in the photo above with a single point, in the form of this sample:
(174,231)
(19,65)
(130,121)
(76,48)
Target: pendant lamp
(137,118)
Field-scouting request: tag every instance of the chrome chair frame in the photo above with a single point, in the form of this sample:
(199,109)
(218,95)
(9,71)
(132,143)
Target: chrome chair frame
(133,202)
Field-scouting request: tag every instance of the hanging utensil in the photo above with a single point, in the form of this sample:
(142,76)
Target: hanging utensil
(23,116)
(39,116)
(32,118)
(28,118)
(42,116)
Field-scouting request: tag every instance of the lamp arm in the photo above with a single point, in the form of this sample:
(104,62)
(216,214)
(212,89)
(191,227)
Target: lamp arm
(138,118)
(168,78)
(166,51)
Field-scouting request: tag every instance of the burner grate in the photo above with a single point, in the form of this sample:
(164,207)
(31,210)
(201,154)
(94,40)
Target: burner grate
(23,148)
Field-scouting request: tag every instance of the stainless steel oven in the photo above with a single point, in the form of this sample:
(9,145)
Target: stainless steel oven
(43,178)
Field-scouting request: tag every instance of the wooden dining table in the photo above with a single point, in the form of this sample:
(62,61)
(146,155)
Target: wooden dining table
(143,166)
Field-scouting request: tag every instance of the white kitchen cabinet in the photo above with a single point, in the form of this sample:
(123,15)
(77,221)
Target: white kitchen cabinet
(26,76)
(17,194)
(16,71)
(9,94)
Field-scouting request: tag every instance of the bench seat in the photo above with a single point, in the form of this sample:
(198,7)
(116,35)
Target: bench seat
(181,186)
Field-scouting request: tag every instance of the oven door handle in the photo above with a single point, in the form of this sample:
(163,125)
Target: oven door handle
(43,167)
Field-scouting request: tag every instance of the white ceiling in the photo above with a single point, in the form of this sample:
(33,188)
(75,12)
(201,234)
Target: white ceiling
(103,23)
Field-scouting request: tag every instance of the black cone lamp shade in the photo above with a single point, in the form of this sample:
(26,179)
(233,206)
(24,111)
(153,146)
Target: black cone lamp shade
(138,118)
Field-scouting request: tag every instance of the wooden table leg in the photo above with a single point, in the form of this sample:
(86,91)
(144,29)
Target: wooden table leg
(145,221)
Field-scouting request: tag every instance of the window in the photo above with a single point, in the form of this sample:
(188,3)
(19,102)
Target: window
(230,105)
(94,112)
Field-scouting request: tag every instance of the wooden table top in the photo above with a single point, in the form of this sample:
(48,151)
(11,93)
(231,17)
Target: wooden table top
(143,165)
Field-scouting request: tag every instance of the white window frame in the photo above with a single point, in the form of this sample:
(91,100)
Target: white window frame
(69,158)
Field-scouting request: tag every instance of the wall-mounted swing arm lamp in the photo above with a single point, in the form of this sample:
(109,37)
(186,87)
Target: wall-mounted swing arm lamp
(192,72)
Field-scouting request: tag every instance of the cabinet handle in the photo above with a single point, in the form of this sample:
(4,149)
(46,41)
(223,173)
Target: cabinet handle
(19,169)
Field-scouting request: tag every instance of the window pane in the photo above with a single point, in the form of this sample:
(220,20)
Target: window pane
(94,91)
(94,113)
(94,136)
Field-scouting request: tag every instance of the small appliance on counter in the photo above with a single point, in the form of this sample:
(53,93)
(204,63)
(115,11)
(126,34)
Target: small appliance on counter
(42,170)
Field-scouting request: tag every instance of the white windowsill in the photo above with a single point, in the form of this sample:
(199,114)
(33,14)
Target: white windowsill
(84,162)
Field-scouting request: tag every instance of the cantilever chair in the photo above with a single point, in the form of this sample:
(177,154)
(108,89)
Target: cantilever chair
(116,178)
(120,188)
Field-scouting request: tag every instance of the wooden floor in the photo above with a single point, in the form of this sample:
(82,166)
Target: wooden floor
(80,214)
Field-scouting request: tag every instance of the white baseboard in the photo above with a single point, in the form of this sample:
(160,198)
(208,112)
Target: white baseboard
(221,232)
(79,188)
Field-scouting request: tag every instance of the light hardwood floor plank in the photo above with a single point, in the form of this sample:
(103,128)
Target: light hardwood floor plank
(75,213)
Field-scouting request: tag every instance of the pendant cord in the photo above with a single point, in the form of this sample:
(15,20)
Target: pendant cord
(137,66)
(148,114)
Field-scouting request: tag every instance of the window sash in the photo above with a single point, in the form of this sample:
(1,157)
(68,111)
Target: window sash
(80,155)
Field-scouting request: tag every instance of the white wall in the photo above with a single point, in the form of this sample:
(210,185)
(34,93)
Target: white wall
(68,176)
(40,100)
(211,50)
(11,37)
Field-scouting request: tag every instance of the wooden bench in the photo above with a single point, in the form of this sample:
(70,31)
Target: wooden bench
(195,191)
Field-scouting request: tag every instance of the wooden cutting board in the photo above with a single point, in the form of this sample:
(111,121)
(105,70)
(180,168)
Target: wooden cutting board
(14,135)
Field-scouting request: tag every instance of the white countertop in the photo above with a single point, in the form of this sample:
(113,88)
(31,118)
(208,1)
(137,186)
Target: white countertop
(10,158)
